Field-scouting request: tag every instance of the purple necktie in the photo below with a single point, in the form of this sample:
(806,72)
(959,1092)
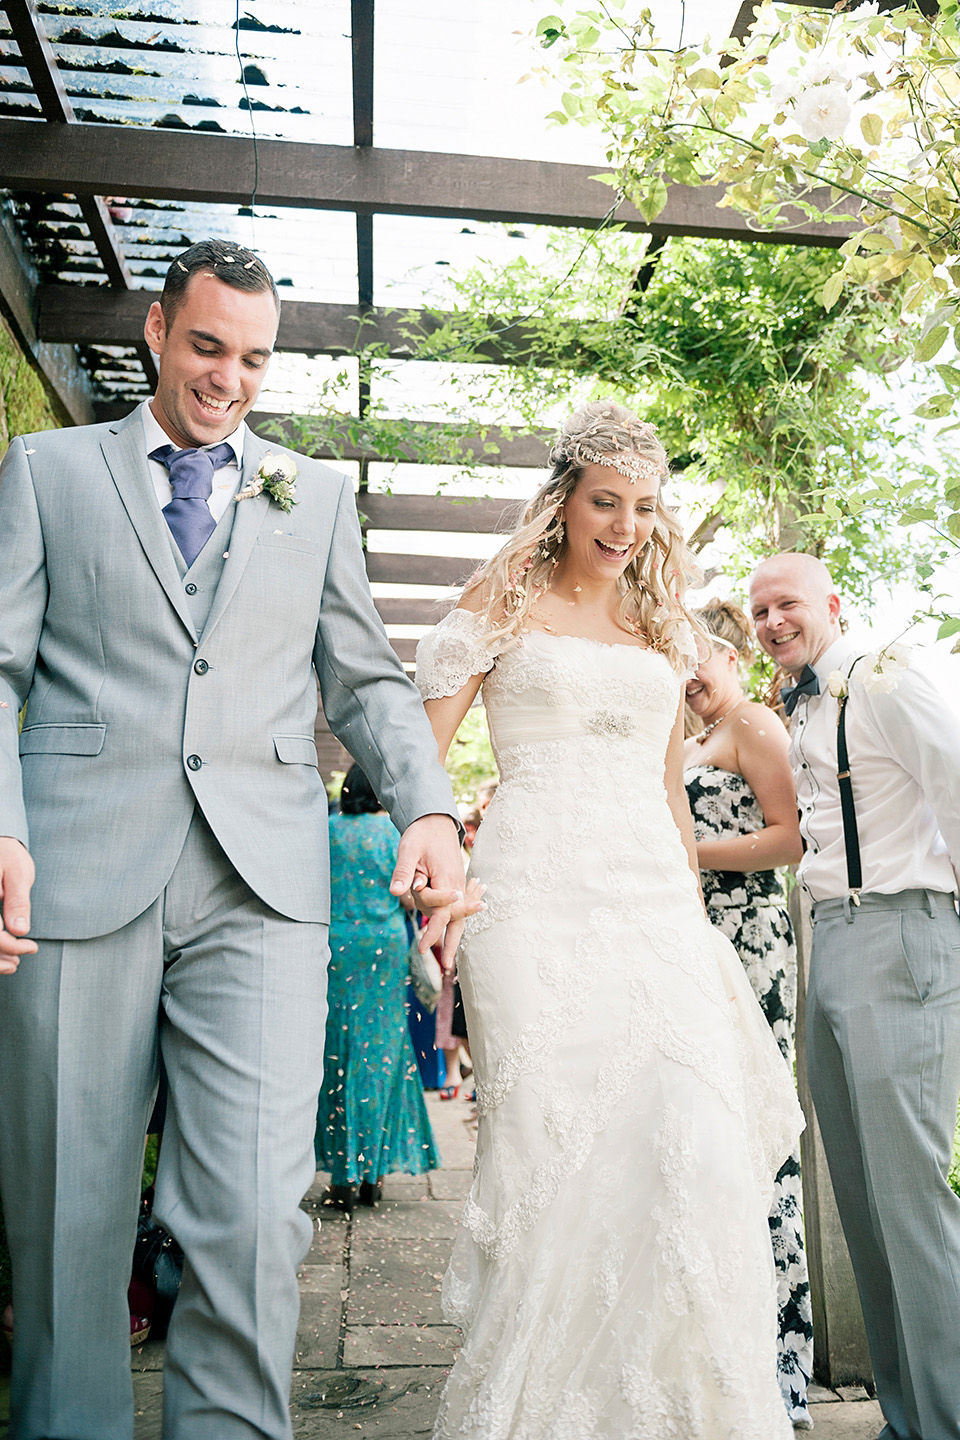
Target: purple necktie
(191,475)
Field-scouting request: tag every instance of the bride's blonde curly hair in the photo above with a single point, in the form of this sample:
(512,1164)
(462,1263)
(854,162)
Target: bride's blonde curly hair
(651,587)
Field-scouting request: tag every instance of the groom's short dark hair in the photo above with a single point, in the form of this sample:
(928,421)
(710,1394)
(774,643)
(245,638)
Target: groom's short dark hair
(228,262)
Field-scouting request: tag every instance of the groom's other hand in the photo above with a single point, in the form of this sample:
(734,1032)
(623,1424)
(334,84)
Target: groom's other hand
(16,880)
(430,865)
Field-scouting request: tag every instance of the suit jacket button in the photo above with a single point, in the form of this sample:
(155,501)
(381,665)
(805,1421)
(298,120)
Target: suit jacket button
(201,667)
(191,589)
(194,762)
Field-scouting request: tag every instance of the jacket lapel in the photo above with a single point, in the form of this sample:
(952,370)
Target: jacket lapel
(249,517)
(123,451)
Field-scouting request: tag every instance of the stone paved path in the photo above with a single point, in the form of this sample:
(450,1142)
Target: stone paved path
(373,1351)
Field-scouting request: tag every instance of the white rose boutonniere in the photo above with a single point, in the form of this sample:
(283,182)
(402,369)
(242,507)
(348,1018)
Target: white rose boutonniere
(837,684)
(277,477)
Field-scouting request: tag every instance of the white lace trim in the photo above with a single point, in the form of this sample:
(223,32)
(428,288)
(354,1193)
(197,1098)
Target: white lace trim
(451,653)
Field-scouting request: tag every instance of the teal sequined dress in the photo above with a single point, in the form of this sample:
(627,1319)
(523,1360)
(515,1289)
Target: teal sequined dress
(371,1119)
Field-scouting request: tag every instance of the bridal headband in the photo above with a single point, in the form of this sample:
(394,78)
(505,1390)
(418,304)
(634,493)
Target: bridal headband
(604,433)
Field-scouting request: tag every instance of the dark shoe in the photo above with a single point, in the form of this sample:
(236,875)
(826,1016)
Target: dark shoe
(339,1197)
(370,1194)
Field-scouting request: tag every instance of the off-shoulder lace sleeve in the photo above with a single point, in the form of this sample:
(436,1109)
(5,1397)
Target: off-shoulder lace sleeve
(451,652)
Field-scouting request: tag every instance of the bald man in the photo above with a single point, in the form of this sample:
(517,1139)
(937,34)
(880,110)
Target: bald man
(883,1005)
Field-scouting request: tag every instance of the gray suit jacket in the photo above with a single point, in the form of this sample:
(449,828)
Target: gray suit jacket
(96,636)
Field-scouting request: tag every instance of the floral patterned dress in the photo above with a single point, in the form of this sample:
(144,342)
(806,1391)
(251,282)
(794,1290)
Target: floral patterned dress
(751,911)
(372,1119)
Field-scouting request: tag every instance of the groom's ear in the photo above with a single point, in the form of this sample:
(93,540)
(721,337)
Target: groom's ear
(155,327)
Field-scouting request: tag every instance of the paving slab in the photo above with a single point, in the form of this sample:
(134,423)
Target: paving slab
(842,1420)
(450,1184)
(396,1281)
(377,1345)
(382,1405)
(321,1306)
(408,1220)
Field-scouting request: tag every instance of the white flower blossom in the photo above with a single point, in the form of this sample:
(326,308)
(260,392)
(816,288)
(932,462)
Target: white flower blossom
(865,11)
(880,672)
(784,92)
(837,684)
(823,112)
(823,69)
(277,476)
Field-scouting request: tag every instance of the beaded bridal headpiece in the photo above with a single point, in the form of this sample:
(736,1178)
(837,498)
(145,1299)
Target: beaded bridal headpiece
(604,433)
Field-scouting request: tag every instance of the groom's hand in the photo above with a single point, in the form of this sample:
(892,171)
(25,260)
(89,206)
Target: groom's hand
(16,879)
(429,865)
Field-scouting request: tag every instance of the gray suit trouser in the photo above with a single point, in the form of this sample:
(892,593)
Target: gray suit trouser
(234,996)
(883,1054)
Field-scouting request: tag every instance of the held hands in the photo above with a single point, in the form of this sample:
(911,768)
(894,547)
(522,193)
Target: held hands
(16,879)
(429,865)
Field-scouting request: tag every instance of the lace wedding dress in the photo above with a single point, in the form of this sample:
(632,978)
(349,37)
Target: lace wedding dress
(612,1274)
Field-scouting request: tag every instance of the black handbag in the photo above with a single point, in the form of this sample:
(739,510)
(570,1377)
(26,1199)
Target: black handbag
(158,1263)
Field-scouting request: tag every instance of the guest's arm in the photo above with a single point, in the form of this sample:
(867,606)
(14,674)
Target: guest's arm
(762,747)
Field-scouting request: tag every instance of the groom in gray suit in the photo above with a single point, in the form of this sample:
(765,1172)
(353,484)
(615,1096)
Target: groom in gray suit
(166,608)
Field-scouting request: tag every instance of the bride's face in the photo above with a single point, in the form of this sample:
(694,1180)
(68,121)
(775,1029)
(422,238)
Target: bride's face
(608,520)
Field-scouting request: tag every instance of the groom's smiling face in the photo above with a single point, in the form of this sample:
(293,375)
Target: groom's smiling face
(212,356)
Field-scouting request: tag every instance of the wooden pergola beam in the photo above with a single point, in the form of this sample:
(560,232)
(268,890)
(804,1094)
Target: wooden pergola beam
(469,515)
(412,612)
(96,315)
(525,452)
(447,570)
(169,164)
(361,52)
(528,452)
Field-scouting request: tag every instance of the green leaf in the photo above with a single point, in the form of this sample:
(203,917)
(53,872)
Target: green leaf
(832,290)
(876,240)
(935,408)
(871,127)
(654,201)
(571,103)
(931,343)
(948,627)
(703,80)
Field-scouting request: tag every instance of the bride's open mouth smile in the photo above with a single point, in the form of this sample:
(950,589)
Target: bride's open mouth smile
(612,552)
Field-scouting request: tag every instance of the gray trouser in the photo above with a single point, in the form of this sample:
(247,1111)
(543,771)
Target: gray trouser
(233,995)
(883,1054)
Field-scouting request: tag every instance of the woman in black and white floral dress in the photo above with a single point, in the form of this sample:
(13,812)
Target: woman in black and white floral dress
(743,803)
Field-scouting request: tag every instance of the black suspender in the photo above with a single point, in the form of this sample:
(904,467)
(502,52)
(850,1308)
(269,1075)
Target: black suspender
(851,839)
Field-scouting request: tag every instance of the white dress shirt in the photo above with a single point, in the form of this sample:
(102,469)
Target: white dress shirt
(904,752)
(225,480)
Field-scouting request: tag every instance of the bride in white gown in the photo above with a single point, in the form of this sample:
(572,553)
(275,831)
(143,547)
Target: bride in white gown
(612,1274)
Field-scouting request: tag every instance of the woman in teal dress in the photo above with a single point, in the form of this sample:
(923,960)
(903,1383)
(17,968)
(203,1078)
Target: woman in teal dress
(371,1119)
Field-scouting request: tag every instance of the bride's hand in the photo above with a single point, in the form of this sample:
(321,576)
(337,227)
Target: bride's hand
(447,920)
